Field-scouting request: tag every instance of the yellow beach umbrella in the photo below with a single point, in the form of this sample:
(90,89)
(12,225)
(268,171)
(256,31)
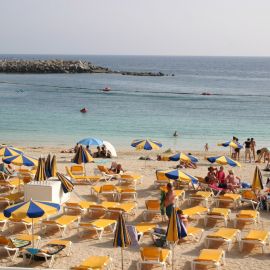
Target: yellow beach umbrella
(21,160)
(6,151)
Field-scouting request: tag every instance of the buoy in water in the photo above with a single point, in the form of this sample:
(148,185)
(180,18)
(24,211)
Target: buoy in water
(84,110)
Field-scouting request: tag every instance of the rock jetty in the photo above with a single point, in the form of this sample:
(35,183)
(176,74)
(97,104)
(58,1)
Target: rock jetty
(61,66)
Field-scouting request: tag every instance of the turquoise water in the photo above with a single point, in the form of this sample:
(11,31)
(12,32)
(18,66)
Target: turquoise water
(44,109)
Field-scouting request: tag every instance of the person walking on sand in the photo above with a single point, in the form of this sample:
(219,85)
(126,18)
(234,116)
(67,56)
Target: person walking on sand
(247,150)
(206,147)
(252,147)
(169,200)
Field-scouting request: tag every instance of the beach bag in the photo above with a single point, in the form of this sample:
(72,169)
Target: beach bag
(159,238)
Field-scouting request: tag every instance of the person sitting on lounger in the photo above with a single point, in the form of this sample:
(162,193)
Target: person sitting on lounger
(169,200)
(232,181)
(211,177)
(98,153)
(116,168)
(221,178)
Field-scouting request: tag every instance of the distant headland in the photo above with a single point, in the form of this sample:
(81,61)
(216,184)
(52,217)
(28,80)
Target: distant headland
(62,66)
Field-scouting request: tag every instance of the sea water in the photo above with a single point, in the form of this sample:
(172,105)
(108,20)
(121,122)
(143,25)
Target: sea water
(44,109)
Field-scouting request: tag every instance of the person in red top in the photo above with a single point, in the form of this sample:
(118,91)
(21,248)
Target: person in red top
(221,178)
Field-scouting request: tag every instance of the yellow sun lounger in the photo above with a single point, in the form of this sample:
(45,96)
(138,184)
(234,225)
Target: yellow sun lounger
(95,263)
(195,211)
(202,196)
(144,228)
(130,179)
(46,251)
(154,255)
(16,243)
(127,209)
(105,190)
(252,216)
(234,199)
(127,194)
(81,206)
(98,226)
(195,233)
(255,237)
(209,257)
(26,222)
(79,179)
(61,223)
(218,213)
(12,198)
(152,208)
(227,235)
(106,174)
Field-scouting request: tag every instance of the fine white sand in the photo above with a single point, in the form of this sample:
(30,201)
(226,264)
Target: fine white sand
(250,258)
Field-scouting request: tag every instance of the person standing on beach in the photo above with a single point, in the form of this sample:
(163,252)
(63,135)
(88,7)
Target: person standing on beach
(247,150)
(169,200)
(237,151)
(252,147)
(206,147)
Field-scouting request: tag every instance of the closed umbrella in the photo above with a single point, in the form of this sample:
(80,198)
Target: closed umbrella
(257,183)
(48,168)
(223,160)
(31,209)
(6,151)
(40,173)
(175,231)
(66,184)
(82,156)
(121,237)
(53,166)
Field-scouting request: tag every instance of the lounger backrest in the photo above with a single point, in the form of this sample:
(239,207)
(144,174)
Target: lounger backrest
(152,204)
(150,253)
(69,172)
(103,169)
(77,169)
(106,188)
(249,195)
(4,241)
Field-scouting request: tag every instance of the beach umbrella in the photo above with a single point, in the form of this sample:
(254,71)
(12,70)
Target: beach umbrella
(232,144)
(175,231)
(111,148)
(6,151)
(53,166)
(82,156)
(66,184)
(179,176)
(20,160)
(91,142)
(223,160)
(183,157)
(146,145)
(31,209)
(121,237)
(48,168)
(41,172)
(257,182)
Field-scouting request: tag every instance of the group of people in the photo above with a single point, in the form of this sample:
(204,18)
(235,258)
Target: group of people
(102,152)
(217,177)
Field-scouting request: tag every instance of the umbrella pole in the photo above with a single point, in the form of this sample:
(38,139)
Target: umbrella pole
(172,257)
(84,169)
(122,258)
(33,232)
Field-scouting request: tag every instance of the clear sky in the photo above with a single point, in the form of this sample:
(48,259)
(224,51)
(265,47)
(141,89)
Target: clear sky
(156,27)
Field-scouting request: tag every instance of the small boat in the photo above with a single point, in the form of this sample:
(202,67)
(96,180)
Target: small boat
(106,89)
(206,94)
(84,110)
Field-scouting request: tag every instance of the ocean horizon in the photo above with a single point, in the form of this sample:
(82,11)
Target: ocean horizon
(44,109)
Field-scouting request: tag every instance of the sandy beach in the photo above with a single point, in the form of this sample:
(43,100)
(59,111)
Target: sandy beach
(185,252)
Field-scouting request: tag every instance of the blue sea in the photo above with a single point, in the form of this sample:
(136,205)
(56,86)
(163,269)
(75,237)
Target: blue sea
(44,109)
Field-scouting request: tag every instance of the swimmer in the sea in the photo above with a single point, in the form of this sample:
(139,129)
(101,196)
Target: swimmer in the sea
(175,134)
